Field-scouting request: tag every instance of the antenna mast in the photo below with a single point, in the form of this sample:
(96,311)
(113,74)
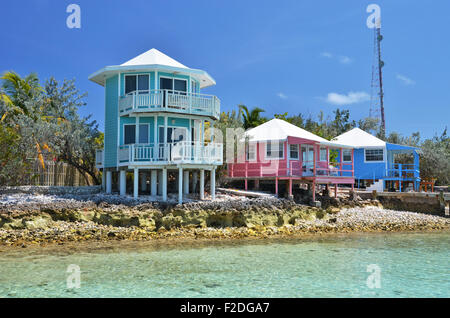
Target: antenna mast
(377,102)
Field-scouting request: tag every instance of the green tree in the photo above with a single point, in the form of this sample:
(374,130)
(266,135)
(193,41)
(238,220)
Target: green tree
(251,118)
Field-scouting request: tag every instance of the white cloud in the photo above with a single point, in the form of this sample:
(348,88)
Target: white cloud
(326,54)
(340,58)
(282,96)
(344,59)
(350,98)
(405,80)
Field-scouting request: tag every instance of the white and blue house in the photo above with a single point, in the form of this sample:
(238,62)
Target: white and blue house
(157,123)
(376,164)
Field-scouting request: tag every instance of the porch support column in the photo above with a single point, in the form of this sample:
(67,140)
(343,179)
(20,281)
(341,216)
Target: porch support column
(155,138)
(335,190)
(103,180)
(202,184)
(276,186)
(186,182)
(144,181)
(246,184)
(256,184)
(314,191)
(153,176)
(160,185)
(213,183)
(180,185)
(123,182)
(290,188)
(164,184)
(108,181)
(136,183)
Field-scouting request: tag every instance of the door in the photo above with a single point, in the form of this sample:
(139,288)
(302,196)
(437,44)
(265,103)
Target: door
(165,84)
(308,160)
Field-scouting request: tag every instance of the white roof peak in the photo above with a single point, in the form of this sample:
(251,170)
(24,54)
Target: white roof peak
(151,57)
(277,129)
(359,138)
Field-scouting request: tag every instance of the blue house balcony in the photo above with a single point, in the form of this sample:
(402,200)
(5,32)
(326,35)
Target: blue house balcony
(163,100)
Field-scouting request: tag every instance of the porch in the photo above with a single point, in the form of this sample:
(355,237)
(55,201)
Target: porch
(163,100)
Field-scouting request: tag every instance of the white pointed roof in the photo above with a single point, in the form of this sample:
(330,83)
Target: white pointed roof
(358,138)
(277,129)
(153,56)
(152,60)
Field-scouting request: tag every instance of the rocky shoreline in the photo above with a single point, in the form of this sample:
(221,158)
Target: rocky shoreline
(58,220)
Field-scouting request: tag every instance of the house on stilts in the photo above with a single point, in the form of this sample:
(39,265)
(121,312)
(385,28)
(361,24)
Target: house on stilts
(155,120)
(278,151)
(380,165)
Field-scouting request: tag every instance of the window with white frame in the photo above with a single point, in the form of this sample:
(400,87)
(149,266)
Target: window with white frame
(323,154)
(129,134)
(179,86)
(274,150)
(137,83)
(374,155)
(293,152)
(250,150)
(347,155)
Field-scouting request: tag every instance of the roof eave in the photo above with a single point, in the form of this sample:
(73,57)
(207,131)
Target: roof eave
(206,79)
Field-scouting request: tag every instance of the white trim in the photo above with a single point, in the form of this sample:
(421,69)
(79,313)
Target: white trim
(320,155)
(298,152)
(375,148)
(274,158)
(347,161)
(172,126)
(137,82)
(173,82)
(247,152)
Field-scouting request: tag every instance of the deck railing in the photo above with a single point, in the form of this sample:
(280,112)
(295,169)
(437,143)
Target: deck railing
(404,171)
(294,169)
(179,152)
(171,101)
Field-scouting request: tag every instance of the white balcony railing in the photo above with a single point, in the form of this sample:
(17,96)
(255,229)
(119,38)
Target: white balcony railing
(99,158)
(172,101)
(180,152)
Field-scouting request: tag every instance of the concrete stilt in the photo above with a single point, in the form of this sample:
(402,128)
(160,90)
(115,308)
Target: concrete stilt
(153,176)
(103,180)
(213,184)
(108,181)
(276,186)
(164,184)
(186,182)
(180,185)
(123,182)
(335,190)
(202,184)
(136,183)
(313,188)
(290,189)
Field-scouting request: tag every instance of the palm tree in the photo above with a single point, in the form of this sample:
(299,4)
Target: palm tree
(251,118)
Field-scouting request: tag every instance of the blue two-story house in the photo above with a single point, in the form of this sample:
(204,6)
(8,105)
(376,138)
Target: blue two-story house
(376,162)
(159,126)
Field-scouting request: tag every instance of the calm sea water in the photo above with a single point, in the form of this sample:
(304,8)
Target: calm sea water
(412,265)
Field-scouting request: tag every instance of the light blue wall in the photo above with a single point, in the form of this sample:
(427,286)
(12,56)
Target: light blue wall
(111,117)
(152,80)
(171,122)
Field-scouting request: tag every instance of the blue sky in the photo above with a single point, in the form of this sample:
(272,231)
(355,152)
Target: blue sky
(283,56)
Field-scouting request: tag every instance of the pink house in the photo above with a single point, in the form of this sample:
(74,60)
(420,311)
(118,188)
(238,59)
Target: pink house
(279,151)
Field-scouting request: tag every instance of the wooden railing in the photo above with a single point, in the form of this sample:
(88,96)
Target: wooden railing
(170,100)
(179,152)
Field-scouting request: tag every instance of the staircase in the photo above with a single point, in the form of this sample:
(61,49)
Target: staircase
(378,186)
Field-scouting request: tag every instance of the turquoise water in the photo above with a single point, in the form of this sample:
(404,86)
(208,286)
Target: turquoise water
(412,265)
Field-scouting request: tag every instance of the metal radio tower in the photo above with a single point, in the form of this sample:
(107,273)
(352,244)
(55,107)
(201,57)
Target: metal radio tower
(377,95)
